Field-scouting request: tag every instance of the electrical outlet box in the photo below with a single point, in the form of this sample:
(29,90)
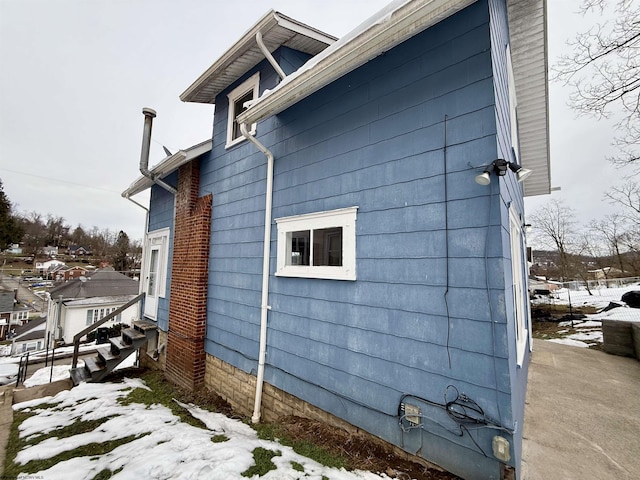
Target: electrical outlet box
(412,414)
(501,448)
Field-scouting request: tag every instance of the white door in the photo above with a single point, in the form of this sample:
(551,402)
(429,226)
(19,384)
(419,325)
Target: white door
(151,300)
(155,272)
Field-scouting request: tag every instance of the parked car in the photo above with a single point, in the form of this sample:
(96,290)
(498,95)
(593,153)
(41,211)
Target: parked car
(8,373)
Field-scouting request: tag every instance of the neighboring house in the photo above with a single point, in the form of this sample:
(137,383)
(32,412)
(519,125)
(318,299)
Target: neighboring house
(14,249)
(79,303)
(48,266)
(50,251)
(64,273)
(13,313)
(29,337)
(77,250)
(349,246)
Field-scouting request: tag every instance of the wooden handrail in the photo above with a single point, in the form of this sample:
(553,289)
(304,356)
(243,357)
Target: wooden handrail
(90,328)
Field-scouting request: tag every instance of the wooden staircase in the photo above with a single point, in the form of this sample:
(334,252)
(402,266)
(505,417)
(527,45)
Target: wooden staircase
(111,355)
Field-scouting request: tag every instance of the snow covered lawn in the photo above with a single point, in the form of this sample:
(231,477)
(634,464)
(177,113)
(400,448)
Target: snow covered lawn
(586,332)
(92,431)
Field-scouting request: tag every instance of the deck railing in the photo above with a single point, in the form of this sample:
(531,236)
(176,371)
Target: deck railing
(92,327)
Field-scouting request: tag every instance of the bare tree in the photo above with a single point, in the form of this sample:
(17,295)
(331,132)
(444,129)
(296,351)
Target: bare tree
(628,197)
(554,225)
(611,233)
(604,71)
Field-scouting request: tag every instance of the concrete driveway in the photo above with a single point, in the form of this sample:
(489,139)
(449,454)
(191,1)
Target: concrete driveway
(582,418)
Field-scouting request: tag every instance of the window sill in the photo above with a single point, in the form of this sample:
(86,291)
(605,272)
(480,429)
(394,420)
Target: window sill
(238,140)
(326,273)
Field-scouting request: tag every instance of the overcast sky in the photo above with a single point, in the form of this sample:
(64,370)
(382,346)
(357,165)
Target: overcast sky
(75,75)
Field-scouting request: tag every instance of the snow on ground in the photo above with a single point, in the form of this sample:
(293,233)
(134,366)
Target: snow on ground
(569,341)
(165,447)
(589,331)
(600,297)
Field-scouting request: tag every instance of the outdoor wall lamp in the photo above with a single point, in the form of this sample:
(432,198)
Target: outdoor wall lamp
(500,167)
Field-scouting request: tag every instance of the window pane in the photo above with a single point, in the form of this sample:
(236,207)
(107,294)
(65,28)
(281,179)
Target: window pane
(238,108)
(153,269)
(327,247)
(300,245)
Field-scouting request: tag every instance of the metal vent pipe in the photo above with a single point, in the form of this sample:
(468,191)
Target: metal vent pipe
(149,115)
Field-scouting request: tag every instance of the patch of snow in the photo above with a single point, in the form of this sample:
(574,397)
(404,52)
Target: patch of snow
(165,447)
(594,336)
(42,375)
(570,342)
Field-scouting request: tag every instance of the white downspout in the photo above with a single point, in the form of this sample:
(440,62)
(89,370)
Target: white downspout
(264,306)
(265,51)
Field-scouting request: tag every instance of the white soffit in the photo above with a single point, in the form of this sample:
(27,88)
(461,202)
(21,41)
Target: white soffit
(276,30)
(528,38)
(167,165)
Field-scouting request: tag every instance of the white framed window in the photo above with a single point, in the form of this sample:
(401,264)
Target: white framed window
(520,308)
(318,245)
(239,96)
(155,270)
(95,314)
(513,107)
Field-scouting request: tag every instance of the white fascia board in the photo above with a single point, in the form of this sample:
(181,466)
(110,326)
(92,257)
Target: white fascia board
(230,55)
(166,166)
(393,25)
(248,40)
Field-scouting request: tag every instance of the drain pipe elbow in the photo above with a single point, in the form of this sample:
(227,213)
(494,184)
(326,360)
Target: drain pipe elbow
(265,51)
(264,306)
(149,115)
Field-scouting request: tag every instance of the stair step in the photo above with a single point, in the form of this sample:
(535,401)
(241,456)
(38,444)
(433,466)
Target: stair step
(118,344)
(79,375)
(130,335)
(93,365)
(144,325)
(106,353)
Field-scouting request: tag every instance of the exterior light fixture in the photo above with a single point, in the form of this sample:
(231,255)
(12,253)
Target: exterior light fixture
(500,167)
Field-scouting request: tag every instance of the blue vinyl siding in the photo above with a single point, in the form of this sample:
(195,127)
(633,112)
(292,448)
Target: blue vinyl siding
(430,306)
(162,215)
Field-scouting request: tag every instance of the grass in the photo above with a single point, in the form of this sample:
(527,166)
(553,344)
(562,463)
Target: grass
(76,428)
(262,462)
(163,393)
(306,448)
(91,449)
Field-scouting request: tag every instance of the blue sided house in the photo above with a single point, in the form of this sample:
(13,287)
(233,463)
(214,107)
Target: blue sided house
(349,245)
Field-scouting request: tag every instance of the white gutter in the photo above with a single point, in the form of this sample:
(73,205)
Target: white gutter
(264,306)
(268,56)
(400,20)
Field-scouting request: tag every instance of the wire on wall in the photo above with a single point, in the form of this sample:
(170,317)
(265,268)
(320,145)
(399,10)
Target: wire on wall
(446,240)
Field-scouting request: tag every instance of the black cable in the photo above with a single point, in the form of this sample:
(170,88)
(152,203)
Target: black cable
(446,240)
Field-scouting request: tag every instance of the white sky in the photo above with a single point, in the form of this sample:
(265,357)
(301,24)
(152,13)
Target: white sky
(75,75)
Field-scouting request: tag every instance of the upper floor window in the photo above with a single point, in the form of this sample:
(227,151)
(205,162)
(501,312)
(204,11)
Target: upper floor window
(238,98)
(318,245)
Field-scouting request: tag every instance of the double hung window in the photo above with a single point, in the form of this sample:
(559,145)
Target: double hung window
(238,98)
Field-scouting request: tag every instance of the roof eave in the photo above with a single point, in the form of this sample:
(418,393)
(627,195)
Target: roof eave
(528,38)
(401,24)
(166,166)
(269,20)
